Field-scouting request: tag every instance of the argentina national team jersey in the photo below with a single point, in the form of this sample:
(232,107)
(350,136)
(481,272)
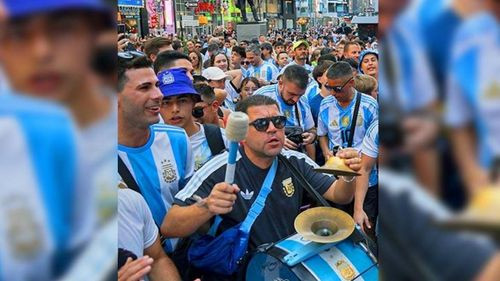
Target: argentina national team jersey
(405,76)
(306,120)
(473,93)
(41,179)
(161,167)
(334,121)
(370,148)
(314,99)
(265,71)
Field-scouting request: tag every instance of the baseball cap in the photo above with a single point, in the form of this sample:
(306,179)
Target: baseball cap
(174,82)
(17,8)
(214,73)
(298,43)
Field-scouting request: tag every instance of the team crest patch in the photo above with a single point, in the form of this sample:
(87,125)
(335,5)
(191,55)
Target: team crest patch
(359,121)
(345,121)
(346,271)
(24,234)
(288,187)
(168,78)
(168,171)
(287,114)
(334,123)
(492,92)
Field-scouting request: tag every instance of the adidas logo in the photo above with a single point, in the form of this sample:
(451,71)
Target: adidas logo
(246,195)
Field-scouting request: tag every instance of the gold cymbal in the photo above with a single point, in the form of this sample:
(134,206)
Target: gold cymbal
(324,225)
(336,166)
(482,214)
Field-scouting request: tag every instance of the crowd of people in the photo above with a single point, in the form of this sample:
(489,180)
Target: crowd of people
(308,97)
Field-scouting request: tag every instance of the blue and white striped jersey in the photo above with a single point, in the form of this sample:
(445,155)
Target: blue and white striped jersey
(306,119)
(46,208)
(161,167)
(473,93)
(265,71)
(370,148)
(414,87)
(334,121)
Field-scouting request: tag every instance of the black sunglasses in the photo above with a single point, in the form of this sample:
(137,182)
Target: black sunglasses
(245,62)
(337,89)
(262,124)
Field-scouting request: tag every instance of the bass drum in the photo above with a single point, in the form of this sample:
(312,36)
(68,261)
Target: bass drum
(343,261)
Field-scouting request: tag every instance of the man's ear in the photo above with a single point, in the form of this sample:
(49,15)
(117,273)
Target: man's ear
(215,104)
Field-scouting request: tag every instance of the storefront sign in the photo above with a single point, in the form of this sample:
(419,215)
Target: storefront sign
(205,7)
(131,3)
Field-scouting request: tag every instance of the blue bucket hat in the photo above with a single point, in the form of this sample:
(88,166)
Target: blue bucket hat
(174,82)
(17,8)
(362,55)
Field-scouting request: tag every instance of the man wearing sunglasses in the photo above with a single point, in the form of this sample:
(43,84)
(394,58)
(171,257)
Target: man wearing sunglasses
(289,93)
(206,194)
(179,99)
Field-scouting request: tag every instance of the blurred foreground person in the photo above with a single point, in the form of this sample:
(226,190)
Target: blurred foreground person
(48,50)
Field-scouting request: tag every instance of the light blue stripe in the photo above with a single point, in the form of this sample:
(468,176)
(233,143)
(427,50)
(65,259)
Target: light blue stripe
(146,176)
(355,255)
(57,191)
(233,149)
(318,266)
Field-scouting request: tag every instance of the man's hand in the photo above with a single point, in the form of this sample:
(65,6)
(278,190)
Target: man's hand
(420,132)
(122,42)
(308,137)
(361,219)
(290,144)
(135,270)
(351,158)
(222,198)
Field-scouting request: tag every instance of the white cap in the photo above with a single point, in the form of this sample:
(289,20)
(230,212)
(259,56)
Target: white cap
(214,73)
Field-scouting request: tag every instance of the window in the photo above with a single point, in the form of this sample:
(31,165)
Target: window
(331,7)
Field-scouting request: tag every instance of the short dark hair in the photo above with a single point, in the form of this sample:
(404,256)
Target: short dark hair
(321,68)
(352,62)
(153,45)
(166,59)
(255,100)
(325,51)
(137,63)
(296,74)
(240,51)
(199,79)
(339,70)
(177,44)
(279,43)
(212,47)
(282,52)
(206,92)
(327,57)
(267,46)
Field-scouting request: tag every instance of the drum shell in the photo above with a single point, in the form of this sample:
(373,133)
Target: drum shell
(342,261)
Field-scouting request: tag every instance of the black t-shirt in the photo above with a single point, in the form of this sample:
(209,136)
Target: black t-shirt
(282,204)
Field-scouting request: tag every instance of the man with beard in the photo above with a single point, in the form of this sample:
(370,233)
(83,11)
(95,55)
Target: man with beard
(289,93)
(300,51)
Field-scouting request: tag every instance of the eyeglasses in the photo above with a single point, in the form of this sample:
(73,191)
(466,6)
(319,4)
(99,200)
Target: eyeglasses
(262,124)
(337,89)
(245,62)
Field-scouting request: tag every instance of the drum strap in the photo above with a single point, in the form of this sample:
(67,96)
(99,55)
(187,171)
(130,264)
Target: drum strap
(303,181)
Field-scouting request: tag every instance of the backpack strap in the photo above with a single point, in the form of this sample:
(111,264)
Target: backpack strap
(214,138)
(354,120)
(127,176)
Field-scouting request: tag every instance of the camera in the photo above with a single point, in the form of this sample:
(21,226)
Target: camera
(294,133)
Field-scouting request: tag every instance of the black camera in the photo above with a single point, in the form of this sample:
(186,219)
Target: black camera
(294,133)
